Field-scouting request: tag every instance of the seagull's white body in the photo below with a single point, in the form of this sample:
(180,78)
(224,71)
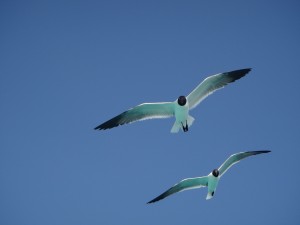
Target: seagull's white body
(181,117)
(179,108)
(211,185)
(210,181)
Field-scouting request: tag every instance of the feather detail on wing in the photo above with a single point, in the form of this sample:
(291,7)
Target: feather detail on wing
(213,83)
(183,185)
(140,112)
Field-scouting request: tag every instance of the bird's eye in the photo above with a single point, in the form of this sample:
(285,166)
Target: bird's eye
(181,100)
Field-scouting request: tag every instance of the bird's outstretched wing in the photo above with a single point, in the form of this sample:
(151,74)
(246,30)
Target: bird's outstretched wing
(213,83)
(186,184)
(140,112)
(235,158)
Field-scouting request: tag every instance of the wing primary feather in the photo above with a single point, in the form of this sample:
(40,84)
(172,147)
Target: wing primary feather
(114,122)
(235,158)
(140,112)
(237,74)
(189,183)
(258,152)
(213,83)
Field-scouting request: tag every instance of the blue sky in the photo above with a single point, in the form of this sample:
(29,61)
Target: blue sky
(67,66)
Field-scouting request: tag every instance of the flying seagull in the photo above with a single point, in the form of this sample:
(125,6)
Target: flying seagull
(179,108)
(210,181)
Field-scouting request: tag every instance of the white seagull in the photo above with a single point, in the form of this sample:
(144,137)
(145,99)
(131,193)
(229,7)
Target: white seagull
(210,181)
(179,108)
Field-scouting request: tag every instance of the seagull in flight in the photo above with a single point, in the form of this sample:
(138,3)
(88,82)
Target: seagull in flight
(210,181)
(179,108)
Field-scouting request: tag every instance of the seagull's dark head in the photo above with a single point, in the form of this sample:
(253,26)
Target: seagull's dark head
(181,100)
(215,172)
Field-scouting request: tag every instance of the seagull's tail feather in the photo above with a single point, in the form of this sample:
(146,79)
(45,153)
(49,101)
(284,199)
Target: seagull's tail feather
(190,120)
(176,127)
(209,196)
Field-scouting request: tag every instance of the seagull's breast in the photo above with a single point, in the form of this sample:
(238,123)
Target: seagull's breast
(181,112)
(212,183)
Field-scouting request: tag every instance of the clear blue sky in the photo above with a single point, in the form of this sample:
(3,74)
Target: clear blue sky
(67,66)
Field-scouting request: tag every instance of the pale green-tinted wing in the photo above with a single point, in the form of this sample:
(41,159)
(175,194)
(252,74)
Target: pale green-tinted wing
(213,83)
(236,158)
(183,185)
(140,112)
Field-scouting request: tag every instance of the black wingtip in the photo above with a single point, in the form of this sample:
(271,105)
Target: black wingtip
(97,128)
(160,197)
(114,122)
(100,127)
(246,70)
(258,152)
(237,74)
(154,200)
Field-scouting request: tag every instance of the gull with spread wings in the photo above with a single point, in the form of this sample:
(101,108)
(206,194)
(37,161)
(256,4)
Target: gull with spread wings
(210,181)
(179,108)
